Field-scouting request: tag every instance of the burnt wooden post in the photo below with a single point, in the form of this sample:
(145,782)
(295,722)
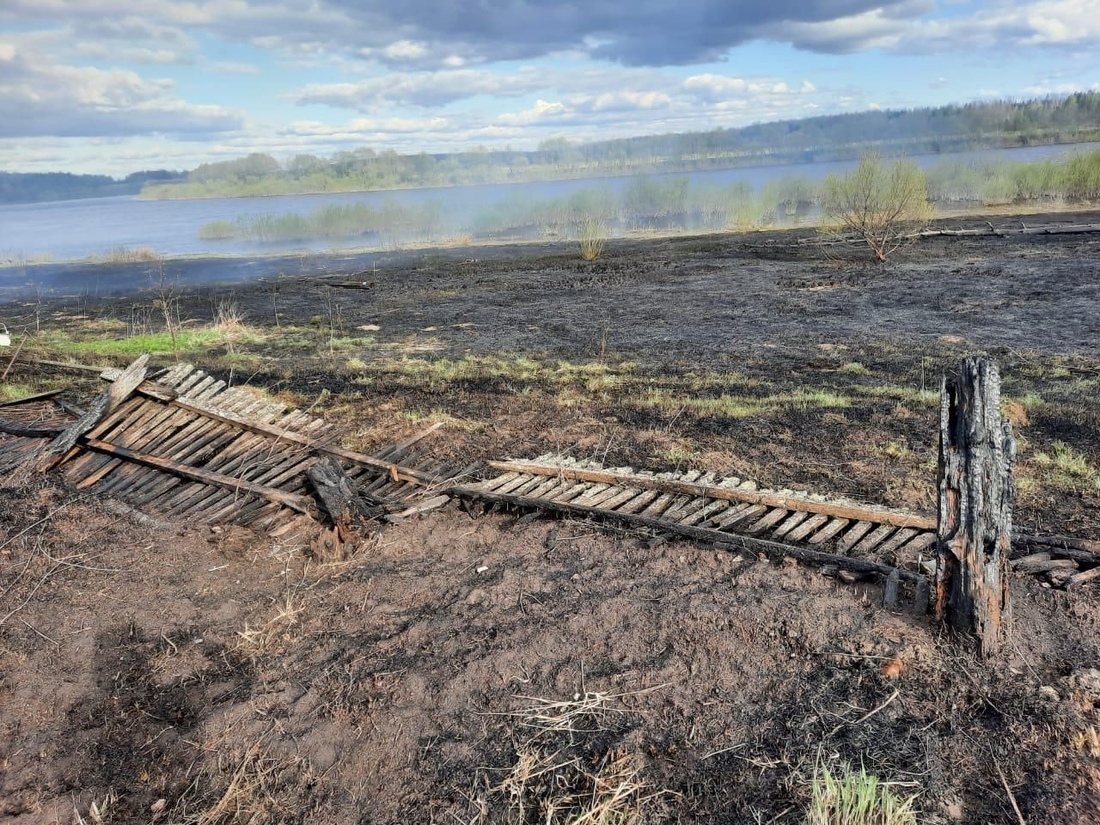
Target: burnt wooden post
(975,506)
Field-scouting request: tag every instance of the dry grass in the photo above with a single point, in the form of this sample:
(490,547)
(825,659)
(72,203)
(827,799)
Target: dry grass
(593,239)
(561,776)
(267,637)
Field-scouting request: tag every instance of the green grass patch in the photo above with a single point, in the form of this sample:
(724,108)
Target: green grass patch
(158,343)
(1067,467)
(851,797)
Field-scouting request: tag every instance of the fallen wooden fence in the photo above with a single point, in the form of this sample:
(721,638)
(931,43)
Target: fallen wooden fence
(183,444)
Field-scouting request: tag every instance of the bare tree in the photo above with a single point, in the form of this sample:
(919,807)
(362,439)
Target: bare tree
(883,206)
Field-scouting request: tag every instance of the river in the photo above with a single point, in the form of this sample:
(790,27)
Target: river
(97,228)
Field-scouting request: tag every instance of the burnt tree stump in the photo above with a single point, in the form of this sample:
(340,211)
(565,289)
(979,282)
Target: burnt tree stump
(975,507)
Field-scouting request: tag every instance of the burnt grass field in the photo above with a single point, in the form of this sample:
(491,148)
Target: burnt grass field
(167,672)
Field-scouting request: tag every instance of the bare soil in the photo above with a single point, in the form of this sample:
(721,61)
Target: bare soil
(175,673)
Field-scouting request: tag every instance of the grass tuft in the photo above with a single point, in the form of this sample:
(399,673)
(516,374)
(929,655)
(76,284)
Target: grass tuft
(851,797)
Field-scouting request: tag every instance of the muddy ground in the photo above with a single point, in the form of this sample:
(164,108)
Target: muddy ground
(171,673)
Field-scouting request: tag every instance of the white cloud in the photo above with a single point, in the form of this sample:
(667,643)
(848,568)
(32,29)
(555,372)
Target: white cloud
(41,97)
(425,89)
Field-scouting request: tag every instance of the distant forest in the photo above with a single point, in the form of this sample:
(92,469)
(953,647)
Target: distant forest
(997,124)
(36,187)
(985,125)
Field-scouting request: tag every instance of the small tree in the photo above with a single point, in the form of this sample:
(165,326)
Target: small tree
(883,206)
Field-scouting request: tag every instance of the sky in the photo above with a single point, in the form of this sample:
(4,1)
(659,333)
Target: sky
(117,86)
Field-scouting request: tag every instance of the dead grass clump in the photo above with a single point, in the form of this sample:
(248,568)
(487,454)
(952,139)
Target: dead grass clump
(258,641)
(572,766)
(245,783)
(126,255)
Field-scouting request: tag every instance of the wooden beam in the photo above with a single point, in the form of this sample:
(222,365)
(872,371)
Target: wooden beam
(303,504)
(768,499)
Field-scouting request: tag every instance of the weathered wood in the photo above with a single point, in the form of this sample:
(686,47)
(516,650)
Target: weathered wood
(1045,565)
(890,592)
(285,435)
(851,512)
(1084,576)
(725,541)
(121,389)
(340,496)
(27,430)
(26,399)
(302,504)
(1082,550)
(975,507)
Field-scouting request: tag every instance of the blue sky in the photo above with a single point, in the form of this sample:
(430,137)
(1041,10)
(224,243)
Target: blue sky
(116,86)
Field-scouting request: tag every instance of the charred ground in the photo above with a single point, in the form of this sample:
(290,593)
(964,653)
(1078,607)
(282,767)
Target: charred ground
(230,676)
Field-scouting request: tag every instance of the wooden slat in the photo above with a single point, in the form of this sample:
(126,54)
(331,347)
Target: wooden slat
(897,540)
(850,512)
(853,535)
(870,542)
(126,383)
(789,523)
(770,519)
(807,527)
(724,540)
(302,504)
(834,526)
(703,514)
(740,515)
(296,438)
(638,502)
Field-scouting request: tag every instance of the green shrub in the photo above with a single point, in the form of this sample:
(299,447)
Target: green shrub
(880,205)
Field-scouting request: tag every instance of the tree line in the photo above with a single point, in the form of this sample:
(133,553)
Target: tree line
(38,187)
(995,124)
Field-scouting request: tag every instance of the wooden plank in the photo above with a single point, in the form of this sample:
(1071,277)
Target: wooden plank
(740,515)
(491,484)
(687,509)
(708,511)
(897,540)
(295,438)
(852,535)
(1084,577)
(128,381)
(872,540)
(39,396)
(28,431)
(658,505)
(605,495)
(918,544)
(769,519)
(833,527)
(806,527)
(638,502)
(302,504)
(722,540)
(851,512)
(788,524)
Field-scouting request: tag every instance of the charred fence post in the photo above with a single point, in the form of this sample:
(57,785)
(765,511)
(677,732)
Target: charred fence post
(975,506)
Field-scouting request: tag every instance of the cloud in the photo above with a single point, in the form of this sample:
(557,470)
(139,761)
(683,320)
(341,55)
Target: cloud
(424,89)
(40,97)
(436,34)
(903,28)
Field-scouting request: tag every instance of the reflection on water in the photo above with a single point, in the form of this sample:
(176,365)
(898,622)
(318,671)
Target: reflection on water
(75,230)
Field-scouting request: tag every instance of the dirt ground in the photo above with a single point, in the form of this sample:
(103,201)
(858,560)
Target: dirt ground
(464,669)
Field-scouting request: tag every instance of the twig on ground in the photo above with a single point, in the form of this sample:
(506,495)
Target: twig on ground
(1008,790)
